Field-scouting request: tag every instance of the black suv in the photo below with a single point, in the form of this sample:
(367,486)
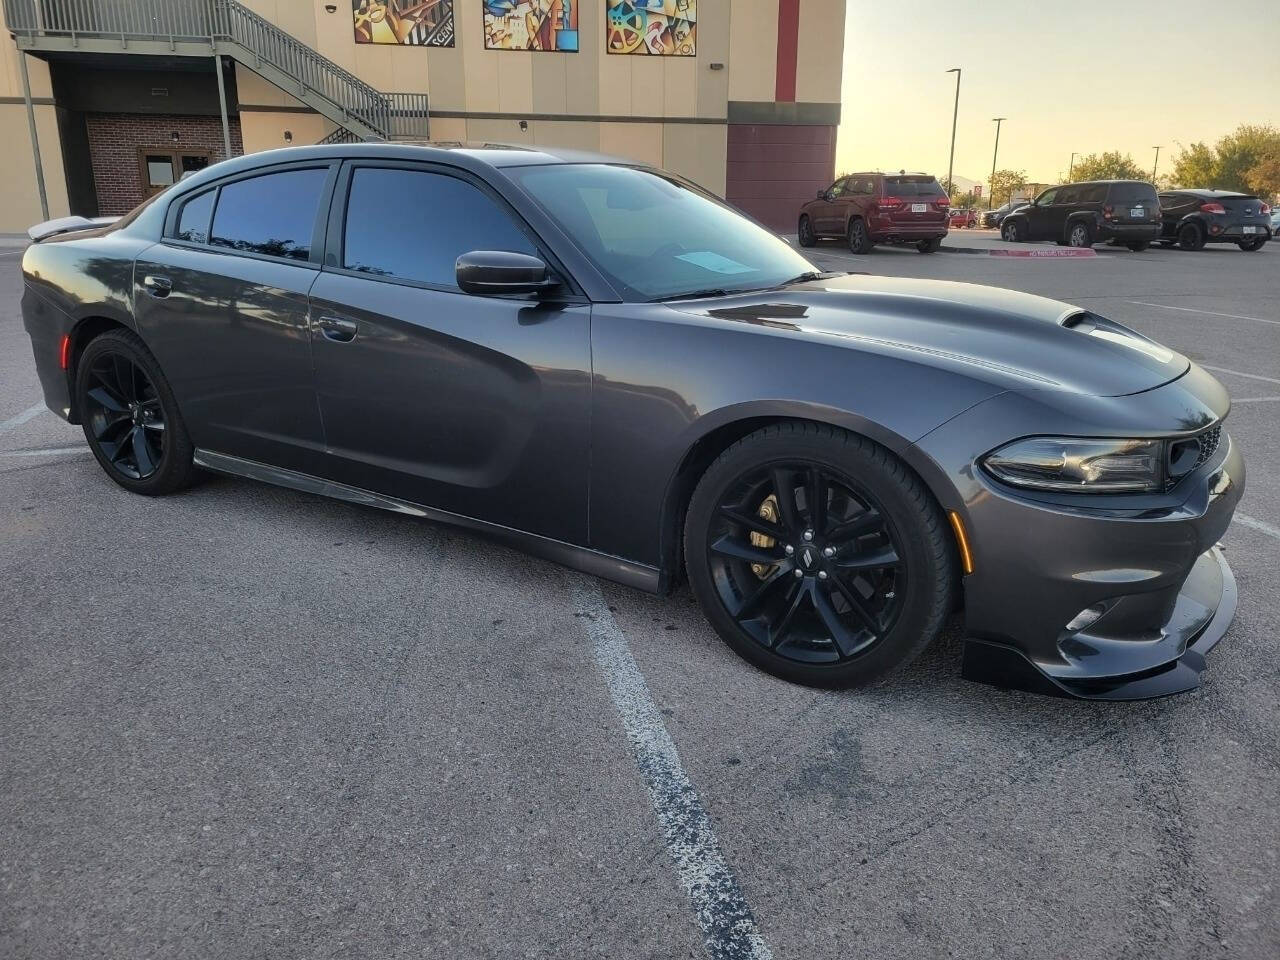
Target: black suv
(1193,218)
(1082,214)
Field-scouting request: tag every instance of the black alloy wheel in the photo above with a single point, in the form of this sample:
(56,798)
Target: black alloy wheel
(859,239)
(130,417)
(824,561)
(1190,237)
(805,232)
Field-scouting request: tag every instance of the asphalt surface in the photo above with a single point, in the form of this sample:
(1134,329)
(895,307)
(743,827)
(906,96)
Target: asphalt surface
(247,722)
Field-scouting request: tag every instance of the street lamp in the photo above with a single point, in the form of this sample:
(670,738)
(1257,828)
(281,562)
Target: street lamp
(1155,164)
(991,185)
(1071,166)
(955,113)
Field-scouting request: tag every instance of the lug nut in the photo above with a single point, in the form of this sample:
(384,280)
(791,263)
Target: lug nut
(808,534)
(828,552)
(822,574)
(789,549)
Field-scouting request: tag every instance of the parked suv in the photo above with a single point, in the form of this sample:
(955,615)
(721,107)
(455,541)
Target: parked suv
(993,218)
(1082,214)
(869,208)
(1192,218)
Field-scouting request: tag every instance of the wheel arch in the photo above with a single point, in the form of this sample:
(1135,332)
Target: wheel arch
(718,437)
(82,333)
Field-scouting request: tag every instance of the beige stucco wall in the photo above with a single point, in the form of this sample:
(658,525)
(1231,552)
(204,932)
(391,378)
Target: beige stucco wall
(820,51)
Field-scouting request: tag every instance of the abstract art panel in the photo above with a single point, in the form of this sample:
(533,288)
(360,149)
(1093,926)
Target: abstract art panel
(531,25)
(409,23)
(659,28)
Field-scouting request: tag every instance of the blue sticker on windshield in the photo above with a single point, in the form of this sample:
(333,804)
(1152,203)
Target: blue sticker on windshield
(714,262)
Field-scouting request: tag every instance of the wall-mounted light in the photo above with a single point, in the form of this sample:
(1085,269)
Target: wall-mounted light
(288,136)
(717,66)
(524,125)
(174,136)
(330,8)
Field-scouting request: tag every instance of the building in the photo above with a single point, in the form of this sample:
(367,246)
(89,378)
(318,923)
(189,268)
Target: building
(124,96)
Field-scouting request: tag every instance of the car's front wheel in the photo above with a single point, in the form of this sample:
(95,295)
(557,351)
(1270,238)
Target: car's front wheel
(804,232)
(818,555)
(130,417)
(1010,232)
(1190,237)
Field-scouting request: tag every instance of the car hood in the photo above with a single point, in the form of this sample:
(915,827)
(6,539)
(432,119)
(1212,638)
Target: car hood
(1016,340)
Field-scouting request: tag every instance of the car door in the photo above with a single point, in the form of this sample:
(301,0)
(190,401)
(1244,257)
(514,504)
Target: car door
(222,303)
(1040,215)
(477,405)
(829,210)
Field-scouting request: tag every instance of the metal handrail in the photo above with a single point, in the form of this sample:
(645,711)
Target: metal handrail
(209,21)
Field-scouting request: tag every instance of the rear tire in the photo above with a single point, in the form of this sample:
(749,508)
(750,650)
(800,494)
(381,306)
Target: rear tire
(1079,234)
(1251,245)
(929,246)
(131,419)
(890,549)
(859,239)
(805,234)
(1190,237)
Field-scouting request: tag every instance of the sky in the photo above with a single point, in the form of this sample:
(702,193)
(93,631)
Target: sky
(1046,68)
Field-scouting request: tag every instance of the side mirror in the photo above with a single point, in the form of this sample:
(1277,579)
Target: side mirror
(500,271)
(822,195)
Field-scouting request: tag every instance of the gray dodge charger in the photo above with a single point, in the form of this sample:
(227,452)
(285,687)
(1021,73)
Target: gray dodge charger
(602,364)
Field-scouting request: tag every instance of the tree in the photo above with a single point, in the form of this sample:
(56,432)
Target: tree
(961,200)
(1264,177)
(1111,165)
(1195,166)
(1247,160)
(1004,183)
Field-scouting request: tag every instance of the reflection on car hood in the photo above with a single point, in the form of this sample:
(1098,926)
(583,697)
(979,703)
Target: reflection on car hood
(1014,339)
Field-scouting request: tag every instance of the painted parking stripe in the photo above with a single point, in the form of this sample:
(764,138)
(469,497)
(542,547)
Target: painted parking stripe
(1204,313)
(728,925)
(45,452)
(1238,373)
(1259,525)
(29,414)
(1235,400)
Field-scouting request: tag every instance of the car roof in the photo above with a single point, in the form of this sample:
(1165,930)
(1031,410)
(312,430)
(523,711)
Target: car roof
(1090,183)
(1206,192)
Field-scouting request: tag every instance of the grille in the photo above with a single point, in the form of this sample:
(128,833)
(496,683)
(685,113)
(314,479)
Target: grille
(1208,443)
(1187,456)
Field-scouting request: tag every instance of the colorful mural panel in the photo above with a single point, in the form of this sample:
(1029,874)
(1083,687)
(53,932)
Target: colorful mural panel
(409,23)
(531,25)
(659,28)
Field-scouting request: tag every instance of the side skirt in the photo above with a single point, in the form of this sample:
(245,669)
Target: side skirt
(589,561)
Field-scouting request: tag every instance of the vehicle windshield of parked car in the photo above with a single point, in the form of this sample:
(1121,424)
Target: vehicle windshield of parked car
(655,237)
(912,187)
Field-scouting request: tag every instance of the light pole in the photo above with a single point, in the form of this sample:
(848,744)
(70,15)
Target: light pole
(955,113)
(1071,166)
(991,185)
(1155,164)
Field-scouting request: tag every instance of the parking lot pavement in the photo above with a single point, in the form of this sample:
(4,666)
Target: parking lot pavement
(246,722)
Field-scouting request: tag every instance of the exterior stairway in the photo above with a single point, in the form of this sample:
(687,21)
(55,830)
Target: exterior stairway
(206,28)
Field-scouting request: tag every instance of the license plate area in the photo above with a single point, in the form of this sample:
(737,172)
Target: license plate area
(919,207)
(1250,229)
(1137,213)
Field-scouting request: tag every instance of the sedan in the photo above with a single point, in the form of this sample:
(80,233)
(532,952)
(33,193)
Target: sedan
(606,366)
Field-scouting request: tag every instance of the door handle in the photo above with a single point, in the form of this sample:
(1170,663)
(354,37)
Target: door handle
(337,329)
(157,286)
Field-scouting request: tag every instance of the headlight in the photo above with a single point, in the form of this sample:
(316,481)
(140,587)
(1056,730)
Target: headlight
(1080,466)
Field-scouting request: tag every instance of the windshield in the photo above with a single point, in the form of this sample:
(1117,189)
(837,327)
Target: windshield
(655,237)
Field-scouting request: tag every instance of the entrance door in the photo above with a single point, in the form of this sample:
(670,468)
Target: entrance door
(160,167)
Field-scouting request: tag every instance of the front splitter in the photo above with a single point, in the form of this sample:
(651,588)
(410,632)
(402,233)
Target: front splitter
(1000,665)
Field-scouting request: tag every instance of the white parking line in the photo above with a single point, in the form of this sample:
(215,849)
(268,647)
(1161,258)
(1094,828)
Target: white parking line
(728,926)
(1206,313)
(1259,525)
(1237,373)
(1235,400)
(29,414)
(47,452)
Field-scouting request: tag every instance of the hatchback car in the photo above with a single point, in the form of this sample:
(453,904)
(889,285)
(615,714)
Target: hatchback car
(869,208)
(603,365)
(1082,214)
(1192,218)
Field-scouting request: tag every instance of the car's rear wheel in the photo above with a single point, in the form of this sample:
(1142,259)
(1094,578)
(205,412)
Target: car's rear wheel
(805,234)
(130,417)
(1079,235)
(1010,231)
(859,239)
(1252,245)
(818,555)
(932,245)
(1190,237)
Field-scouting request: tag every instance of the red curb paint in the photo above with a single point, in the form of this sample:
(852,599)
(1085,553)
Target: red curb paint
(1054,252)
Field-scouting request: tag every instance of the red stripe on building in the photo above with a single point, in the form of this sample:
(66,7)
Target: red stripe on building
(788,42)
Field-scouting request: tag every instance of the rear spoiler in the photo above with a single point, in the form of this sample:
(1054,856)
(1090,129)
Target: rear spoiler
(51,228)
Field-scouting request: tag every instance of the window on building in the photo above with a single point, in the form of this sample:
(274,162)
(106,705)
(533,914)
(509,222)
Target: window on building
(274,214)
(160,167)
(414,224)
(193,222)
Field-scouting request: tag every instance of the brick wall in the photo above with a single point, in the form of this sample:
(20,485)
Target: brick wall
(115,139)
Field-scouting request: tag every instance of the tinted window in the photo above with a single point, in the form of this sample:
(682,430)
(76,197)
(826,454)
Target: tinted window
(193,222)
(1133,193)
(1069,195)
(415,225)
(840,187)
(912,187)
(655,236)
(1094,194)
(274,214)
(1046,197)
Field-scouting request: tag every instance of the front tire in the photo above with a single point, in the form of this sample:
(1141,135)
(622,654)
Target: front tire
(859,239)
(1010,231)
(804,232)
(868,577)
(131,418)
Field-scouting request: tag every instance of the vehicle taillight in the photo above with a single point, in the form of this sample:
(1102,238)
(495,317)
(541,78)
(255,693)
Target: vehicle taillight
(888,203)
(1266,208)
(64,352)
(943,204)
(1212,208)
(1107,211)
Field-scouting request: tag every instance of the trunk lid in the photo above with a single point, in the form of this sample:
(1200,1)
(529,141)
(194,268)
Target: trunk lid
(1133,202)
(913,200)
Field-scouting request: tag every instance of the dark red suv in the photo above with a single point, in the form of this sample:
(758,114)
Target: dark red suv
(869,208)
